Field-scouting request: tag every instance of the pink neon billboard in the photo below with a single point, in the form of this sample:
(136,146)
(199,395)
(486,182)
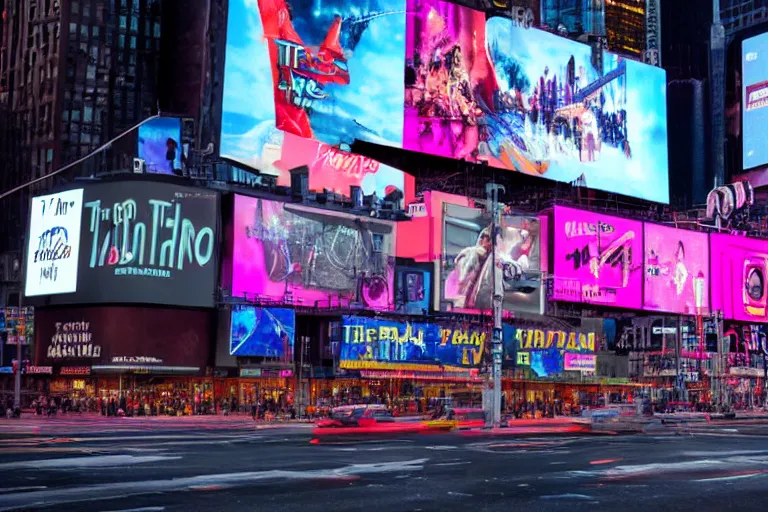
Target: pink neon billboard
(676,273)
(739,269)
(292,254)
(597,259)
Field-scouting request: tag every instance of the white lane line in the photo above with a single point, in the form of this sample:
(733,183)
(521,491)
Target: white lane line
(99,492)
(726,478)
(27,488)
(99,461)
(142,509)
(567,496)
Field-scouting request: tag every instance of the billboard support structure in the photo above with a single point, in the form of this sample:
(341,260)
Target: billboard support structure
(497,286)
(17,377)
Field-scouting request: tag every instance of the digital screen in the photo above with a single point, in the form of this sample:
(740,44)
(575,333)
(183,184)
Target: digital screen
(676,270)
(527,100)
(739,270)
(145,242)
(754,94)
(160,145)
(333,69)
(597,259)
(265,332)
(413,288)
(468,264)
(580,362)
(123,336)
(53,243)
(312,257)
(336,170)
(369,342)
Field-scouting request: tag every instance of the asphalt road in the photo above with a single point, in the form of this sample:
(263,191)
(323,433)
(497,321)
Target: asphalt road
(190,469)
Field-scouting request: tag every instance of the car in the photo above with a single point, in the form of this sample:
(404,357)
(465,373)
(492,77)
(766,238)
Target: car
(356,416)
(460,418)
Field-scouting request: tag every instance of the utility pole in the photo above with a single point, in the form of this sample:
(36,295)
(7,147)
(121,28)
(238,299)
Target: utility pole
(17,377)
(497,285)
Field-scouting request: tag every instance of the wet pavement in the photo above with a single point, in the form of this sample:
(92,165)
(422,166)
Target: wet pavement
(107,466)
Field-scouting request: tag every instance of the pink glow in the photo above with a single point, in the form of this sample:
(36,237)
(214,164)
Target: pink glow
(605,269)
(676,264)
(580,362)
(422,238)
(733,260)
(305,278)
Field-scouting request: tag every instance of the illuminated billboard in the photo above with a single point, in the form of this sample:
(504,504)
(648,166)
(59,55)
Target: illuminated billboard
(754,94)
(139,242)
(527,100)
(739,270)
(376,343)
(333,72)
(676,270)
(264,332)
(306,256)
(597,259)
(160,145)
(467,270)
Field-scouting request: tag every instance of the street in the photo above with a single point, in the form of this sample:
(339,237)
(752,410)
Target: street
(113,464)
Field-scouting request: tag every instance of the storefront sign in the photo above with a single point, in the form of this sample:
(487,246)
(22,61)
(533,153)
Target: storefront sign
(286,373)
(73,340)
(136,360)
(39,370)
(580,362)
(741,371)
(654,372)
(417,210)
(75,370)
(533,339)
(691,376)
(386,341)
(250,372)
(6,369)
(523,359)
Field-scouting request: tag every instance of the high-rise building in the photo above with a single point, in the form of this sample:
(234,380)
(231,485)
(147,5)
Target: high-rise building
(625,27)
(576,17)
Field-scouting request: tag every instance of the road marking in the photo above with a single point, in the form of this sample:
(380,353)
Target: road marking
(99,461)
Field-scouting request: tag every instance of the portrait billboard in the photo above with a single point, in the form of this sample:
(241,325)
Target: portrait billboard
(676,273)
(754,94)
(145,242)
(122,338)
(738,284)
(263,332)
(488,89)
(160,145)
(597,259)
(53,243)
(467,273)
(330,71)
(377,343)
(312,257)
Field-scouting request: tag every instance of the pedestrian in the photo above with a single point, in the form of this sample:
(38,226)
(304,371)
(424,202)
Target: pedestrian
(254,409)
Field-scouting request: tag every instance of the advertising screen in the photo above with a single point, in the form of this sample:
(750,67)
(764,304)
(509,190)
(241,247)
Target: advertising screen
(754,94)
(294,254)
(467,278)
(333,69)
(265,332)
(374,343)
(676,270)
(145,242)
(739,270)
(597,259)
(336,170)
(117,337)
(547,352)
(160,145)
(53,243)
(527,100)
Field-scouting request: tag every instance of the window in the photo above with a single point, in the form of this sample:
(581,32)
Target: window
(65,116)
(86,10)
(75,117)
(73,28)
(75,7)
(84,31)
(134,24)
(95,31)
(121,41)
(90,72)
(133,42)
(88,114)
(157,30)
(123,22)
(49,156)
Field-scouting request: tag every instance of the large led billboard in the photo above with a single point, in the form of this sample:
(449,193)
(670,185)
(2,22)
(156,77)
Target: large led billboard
(263,332)
(160,145)
(139,242)
(597,259)
(676,270)
(444,79)
(739,271)
(307,256)
(375,343)
(53,244)
(754,94)
(467,272)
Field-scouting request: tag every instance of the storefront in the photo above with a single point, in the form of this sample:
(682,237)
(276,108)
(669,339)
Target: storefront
(139,353)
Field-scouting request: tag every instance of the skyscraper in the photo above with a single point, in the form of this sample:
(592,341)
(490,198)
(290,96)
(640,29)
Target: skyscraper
(625,27)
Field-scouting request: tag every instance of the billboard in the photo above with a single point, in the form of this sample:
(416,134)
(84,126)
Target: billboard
(53,243)
(264,332)
(545,351)
(160,145)
(597,259)
(376,343)
(333,70)
(754,94)
(466,274)
(311,257)
(738,284)
(123,338)
(676,270)
(143,242)
(413,290)
(529,101)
